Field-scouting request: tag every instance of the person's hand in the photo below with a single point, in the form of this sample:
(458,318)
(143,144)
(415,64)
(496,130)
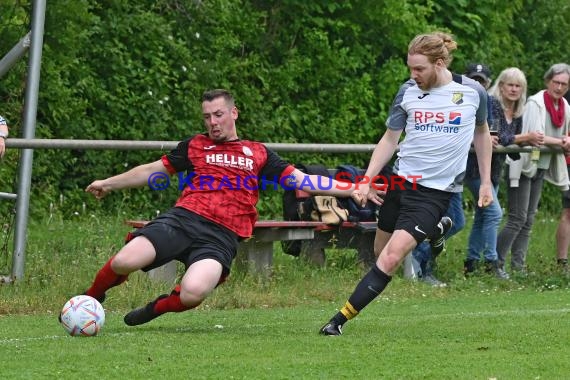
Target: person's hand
(536,138)
(360,194)
(376,194)
(495,141)
(566,144)
(485,195)
(98,189)
(364,193)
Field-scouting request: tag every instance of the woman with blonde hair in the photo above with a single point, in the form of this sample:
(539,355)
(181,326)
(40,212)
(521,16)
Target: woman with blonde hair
(507,100)
(511,101)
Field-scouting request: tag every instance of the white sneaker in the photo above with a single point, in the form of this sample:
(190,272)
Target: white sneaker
(501,274)
(431,280)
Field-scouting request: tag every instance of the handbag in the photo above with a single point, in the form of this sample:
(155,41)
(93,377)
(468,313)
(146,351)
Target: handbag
(323,208)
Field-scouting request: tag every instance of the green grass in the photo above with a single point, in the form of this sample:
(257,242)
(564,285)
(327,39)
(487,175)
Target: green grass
(503,335)
(256,328)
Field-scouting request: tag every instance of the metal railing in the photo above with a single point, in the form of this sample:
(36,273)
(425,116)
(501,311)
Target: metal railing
(32,41)
(167,145)
(31,143)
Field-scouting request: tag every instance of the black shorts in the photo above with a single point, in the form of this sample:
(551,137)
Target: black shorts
(182,235)
(566,194)
(414,208)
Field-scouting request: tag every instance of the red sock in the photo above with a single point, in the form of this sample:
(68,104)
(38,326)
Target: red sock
(171,303)
(105,279)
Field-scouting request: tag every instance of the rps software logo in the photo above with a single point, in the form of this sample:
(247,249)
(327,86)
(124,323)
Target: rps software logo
(454,118)
(435,122)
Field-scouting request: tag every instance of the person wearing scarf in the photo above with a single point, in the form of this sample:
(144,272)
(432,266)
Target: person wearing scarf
(563,230)
(547,113)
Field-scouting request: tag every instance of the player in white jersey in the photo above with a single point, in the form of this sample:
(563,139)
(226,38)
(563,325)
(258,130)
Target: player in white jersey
(439,127)
(442,114)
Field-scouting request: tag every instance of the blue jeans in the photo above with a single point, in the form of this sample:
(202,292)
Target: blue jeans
(422,252)
(483,236)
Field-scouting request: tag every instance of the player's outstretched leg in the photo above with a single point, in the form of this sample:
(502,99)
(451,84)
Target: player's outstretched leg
(371,285)
(163,304)
(144,314)
(105,279)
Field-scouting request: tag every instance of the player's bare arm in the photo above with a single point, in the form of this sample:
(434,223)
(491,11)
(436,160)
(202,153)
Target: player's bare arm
(136,177)
(484,150)
(380,157)
(315,184)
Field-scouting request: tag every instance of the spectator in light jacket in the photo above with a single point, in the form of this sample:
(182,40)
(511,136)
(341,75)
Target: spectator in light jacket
(547,113)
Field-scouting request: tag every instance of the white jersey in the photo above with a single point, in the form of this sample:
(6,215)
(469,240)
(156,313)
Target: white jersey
(439,126)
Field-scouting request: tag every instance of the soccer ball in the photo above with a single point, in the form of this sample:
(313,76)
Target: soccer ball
(82,316)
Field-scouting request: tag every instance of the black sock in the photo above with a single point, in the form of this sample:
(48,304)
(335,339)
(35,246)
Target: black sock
(371,285)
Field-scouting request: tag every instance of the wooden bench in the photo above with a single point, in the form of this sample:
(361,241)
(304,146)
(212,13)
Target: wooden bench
(256,253)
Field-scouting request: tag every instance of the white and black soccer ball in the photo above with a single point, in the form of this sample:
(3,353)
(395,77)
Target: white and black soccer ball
(82,316)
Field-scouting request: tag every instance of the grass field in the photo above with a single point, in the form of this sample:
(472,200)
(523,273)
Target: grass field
(252,328)
(502,335)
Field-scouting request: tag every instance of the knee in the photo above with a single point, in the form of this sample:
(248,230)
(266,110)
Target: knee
(389,261)
(193,295)
(120,264)
(517,220)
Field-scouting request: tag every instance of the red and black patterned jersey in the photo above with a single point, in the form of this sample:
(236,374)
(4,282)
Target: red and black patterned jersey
(222,180)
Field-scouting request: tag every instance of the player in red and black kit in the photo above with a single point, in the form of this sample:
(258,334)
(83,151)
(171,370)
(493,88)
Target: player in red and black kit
(214,212)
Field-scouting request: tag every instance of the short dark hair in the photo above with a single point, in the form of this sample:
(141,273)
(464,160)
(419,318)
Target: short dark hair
(210,95)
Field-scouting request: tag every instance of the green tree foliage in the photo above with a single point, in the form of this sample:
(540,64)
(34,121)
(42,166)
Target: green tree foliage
(302,71)
(543,28)
(484,31)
